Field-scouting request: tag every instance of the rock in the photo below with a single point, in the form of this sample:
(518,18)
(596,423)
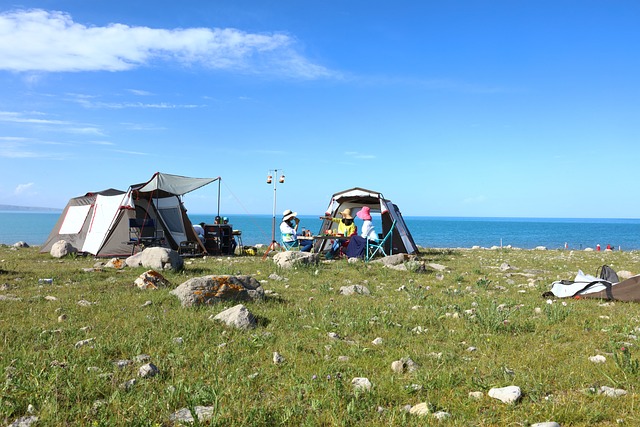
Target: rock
(20,244)
(239,317)
(361,384)
(149,370)
(277,358)
(476,395)
(161,259)
(213,289)
(354,290)
(24,421)
(377,341)
(398,267)
(597,359)
(404,364)
(509,394)
(397,366)
(611,392)
(116,263)
(291,259)
(391,260)
(421,409)
(62,318)
(62,248)
(354,260)
(624,274)
(134,260)
(203,413)
(505,267)
(441,415)
(84,342)
(546,424)
(540,248)
(437,267)
(151,279)
(142,358)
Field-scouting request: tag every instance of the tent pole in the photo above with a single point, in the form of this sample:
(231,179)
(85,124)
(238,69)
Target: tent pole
(219,179)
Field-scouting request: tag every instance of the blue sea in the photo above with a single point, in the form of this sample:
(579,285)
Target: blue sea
(428,232)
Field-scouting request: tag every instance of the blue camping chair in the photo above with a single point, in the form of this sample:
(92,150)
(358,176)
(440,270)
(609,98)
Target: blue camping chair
(374,248)
(290,246)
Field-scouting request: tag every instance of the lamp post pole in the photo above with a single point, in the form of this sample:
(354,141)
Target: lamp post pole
(272,177)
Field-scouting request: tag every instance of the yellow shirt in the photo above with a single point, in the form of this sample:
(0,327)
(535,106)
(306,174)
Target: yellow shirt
(345,230)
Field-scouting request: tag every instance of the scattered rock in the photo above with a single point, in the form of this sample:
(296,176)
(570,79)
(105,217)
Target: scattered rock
(546,424)
(84,342)
(611,392)
(116,263)
(291,259)
(361,384)
(510,394)
(354,290)
(149,370)
(392,260)
(151,279)
(277,358)
(20,244)
(239,317)
(212,289)
(624,274)
(441,415)
(184,415)
(62,248)
(421,409)
(476,395)
(377,341)
(24,421)
(597,359)
(157,259)
(437,267)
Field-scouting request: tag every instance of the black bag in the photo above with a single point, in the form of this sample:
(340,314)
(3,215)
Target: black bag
(607,273)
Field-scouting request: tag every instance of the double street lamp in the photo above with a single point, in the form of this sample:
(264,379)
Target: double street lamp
(271,179)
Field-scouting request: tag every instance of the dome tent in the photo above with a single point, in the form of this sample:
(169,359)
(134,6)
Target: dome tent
(356,198)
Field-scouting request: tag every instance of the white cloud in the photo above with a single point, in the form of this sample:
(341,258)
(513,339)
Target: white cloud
(21,188)
(38,40)
(357,155)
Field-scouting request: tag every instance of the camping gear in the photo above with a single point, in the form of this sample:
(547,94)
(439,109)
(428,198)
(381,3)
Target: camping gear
(605,286)
(98,222)
(401,240)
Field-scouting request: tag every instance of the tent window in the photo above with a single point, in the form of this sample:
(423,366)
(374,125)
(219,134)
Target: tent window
(173,219)
(74,219)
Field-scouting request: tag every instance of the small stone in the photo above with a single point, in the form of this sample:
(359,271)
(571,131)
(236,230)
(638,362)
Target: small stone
(62,318)
(441,415)
(50,298)
(277,358)
(546,424)
(121,364)
(343,358)
(333,335)
(611,392)
(421,409)
(397,366)
(149,370)
(476,395)
(361,384)
(509,394)
(128,385)
(84,342)
(377,341)
(597,359)
(178,340)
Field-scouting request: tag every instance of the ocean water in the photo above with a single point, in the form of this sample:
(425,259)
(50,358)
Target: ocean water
(429,232)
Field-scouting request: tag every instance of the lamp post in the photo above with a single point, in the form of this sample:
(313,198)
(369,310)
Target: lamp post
(272,177)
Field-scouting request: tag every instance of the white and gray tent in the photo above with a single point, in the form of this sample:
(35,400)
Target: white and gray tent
(356,198)
(98,222)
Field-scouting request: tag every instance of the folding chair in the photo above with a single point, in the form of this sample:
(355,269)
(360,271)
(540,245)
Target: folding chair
(375,248)
(290,246)
(143,233)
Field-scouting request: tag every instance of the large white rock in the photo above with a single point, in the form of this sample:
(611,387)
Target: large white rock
(421,409)
(62,248)
(361,384)
(509,394)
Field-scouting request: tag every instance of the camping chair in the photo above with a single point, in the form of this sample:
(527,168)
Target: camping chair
(143,233)
(290,246)
(374,248)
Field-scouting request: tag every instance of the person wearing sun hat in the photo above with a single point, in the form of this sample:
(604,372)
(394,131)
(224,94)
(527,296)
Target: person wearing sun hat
(346,228)
(368,231)
(289,231)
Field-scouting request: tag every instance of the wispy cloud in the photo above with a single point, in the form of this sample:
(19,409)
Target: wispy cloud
(360,156)
(38,40)
(140,92)
(22,188)
(8,116)
(136,153)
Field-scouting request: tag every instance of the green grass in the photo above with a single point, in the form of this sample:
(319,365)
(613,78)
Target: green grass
(434,320)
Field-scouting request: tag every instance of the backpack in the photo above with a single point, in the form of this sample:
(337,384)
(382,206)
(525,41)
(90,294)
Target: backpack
(607,273)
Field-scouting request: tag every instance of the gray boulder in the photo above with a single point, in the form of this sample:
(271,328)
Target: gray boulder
(354,290)
(20,244)
(290,259)
(212,289)
(392,260)
(238,317)
(62,248)
(157,259)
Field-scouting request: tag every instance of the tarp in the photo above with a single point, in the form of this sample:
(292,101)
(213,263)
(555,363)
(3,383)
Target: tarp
(173,184)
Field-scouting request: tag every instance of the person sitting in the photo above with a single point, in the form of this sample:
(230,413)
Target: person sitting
(234,244)
(289,231)
(357,244)
(199,230)
(346,229)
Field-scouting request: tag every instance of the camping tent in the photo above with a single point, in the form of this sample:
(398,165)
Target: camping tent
(356,198)
(98,222)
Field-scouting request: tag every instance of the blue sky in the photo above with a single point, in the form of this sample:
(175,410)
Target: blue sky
(456,108)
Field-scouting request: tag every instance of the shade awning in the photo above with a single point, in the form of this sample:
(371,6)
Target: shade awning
(173,184)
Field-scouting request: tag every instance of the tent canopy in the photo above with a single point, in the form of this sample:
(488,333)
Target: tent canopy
(172,184)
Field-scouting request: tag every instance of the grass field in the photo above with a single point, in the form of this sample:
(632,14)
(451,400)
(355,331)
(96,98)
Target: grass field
(470,328)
